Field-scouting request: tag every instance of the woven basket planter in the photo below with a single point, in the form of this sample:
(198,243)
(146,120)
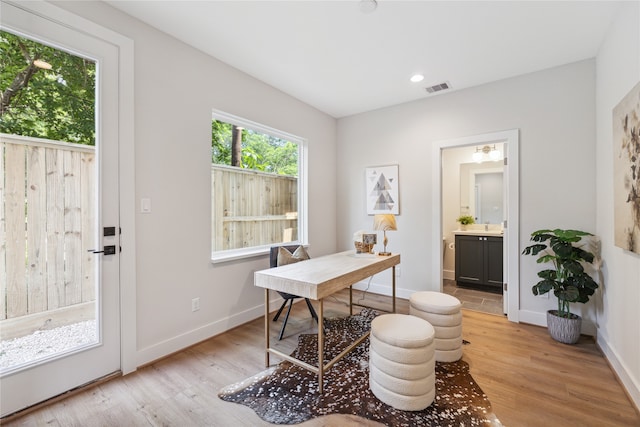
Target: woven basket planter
(562,329)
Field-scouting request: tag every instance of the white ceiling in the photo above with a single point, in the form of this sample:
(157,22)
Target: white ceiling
(331,55)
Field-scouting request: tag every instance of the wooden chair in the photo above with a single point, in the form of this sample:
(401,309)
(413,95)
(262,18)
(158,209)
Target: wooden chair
(288,298)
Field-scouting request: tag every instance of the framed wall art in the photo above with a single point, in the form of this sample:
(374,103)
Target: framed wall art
(382,190)
(626,171)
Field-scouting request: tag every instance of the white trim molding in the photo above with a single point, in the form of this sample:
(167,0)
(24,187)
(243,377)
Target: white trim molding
(511,140)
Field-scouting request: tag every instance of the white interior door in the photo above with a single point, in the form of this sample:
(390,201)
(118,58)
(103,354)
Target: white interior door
(49,376)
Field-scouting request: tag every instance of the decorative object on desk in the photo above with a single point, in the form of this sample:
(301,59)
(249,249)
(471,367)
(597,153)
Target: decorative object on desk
(288,394)
(364,242)
(384,222)
(465,220)
(358,241)
(626,175)
(568,279)
(382,190)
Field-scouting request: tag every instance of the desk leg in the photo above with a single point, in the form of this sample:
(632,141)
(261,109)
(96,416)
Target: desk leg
(351,300)
(320,346)
(266,327)
(393,286)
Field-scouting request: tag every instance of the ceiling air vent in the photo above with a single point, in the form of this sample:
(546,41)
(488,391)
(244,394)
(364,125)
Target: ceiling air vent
(438,87)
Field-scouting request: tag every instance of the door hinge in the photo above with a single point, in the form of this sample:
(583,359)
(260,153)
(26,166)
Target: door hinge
(505,161)
(504,286)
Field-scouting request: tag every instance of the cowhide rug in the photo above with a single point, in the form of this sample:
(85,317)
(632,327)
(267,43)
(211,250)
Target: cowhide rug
(288,394)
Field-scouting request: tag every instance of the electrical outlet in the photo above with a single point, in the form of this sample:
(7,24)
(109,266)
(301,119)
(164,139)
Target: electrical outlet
(195,304)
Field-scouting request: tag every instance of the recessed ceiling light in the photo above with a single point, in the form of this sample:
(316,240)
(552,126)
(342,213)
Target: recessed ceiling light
(368,6)
(417,78)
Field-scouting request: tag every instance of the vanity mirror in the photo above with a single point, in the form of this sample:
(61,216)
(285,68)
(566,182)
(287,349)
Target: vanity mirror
(481,192)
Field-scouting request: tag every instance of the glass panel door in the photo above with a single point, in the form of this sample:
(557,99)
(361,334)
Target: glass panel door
(59,290)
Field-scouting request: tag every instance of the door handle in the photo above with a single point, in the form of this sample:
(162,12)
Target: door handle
(108,250)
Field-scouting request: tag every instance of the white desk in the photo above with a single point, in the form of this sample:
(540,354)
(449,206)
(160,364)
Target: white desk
(316,279)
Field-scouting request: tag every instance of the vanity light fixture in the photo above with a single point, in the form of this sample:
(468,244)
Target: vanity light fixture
(481,154)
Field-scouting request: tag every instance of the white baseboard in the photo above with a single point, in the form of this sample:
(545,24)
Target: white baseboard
(532,317)
(449,274)
(180,342)
(621,370)
(165,348)
(380,289)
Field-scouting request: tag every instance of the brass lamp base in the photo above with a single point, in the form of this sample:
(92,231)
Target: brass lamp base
(384,253)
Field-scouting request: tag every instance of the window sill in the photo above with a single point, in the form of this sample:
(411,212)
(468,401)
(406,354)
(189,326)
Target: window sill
(236,254)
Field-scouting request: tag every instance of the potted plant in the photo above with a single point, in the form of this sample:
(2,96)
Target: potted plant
(568,280)
(465,220)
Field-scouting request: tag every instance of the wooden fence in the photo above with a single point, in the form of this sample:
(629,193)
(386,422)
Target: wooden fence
(252,208)
(47,225)
(47,221)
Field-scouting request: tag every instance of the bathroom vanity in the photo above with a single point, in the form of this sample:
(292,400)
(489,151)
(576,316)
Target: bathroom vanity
(479,259)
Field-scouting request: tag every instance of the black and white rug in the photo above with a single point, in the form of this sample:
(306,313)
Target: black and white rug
(288,394)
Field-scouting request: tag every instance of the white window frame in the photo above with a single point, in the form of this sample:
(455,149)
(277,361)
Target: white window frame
(233,254)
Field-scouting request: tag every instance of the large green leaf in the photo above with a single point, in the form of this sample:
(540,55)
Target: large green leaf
(548,274)
(568,293)
(543,286)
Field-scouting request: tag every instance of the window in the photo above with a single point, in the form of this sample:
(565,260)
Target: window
(258,190)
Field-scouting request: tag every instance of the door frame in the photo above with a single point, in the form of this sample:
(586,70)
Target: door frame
(126,164)
(511,140)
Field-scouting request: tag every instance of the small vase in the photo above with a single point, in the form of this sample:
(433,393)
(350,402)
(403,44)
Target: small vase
(463,227)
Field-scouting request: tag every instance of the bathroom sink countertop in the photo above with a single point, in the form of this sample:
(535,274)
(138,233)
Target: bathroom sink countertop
(480,232)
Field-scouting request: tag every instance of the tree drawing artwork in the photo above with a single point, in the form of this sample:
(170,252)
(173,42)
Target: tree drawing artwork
(626,137)
(382,190)
(631,146)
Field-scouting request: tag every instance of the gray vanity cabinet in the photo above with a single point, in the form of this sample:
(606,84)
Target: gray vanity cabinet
(479,261)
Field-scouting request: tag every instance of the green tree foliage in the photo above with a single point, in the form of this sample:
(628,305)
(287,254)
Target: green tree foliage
(259,151)
(58,103)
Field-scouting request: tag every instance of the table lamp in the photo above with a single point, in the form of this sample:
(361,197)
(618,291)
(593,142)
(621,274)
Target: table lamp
(384,222)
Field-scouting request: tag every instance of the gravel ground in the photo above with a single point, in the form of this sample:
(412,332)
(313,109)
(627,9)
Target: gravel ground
(41,344)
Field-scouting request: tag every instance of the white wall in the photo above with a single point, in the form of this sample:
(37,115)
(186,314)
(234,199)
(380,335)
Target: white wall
(176,87)
(617,71)
(555,112)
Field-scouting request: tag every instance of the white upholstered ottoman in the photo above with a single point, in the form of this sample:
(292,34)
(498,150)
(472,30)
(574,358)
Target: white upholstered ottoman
(443,312)
(402,361)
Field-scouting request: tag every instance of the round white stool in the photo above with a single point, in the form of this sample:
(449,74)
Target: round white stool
(402,361)
(443,312)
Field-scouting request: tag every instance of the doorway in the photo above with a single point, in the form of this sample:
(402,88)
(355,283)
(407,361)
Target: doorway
(509,228)
(87,222)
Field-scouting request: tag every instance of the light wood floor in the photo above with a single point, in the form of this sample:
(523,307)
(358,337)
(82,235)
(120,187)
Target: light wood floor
(530,380)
